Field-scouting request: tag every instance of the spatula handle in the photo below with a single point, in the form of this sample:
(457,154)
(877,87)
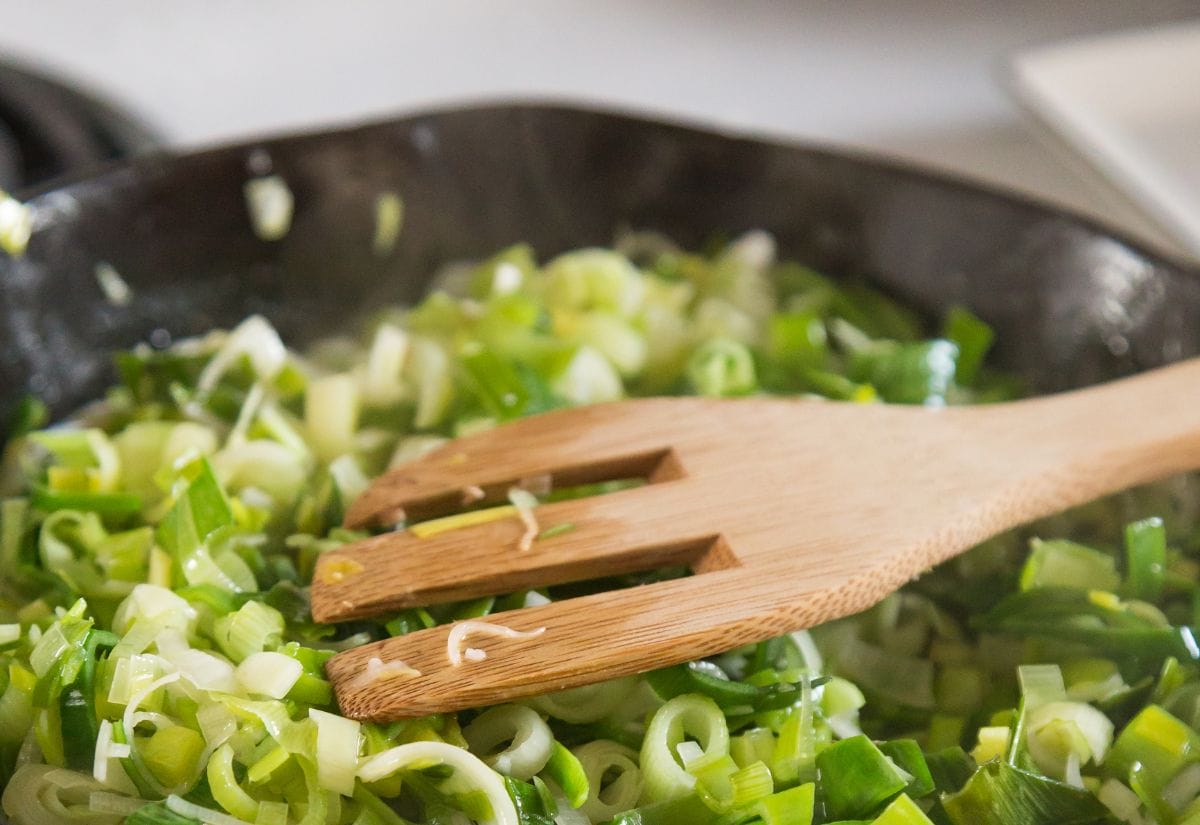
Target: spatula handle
(1116,435)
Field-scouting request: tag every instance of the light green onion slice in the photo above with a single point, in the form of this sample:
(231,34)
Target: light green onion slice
(16,225)
(389,218)
(529,740)
(585,704)
(469,774)
(338,742)
(605,760)
(270,203)
(225,788)
(684,716)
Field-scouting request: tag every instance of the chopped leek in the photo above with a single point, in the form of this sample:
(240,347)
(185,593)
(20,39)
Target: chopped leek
(16,225)
(613,779)
(999,794)
(857,777)
(1067,564)
(159,662)
(270,203)
(972,337)
(337,747)
(530,742)
(1146,554)
(687,715)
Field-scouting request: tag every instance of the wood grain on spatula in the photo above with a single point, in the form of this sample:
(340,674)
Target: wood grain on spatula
(790,512)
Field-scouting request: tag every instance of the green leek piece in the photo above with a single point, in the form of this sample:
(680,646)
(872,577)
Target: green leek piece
(1040,685)
(251,628)
(910,373)
(198,512)
(224,785)
(838,387)
(76,547)
(1145,786)
(793,806)
(16,705)
(77,707)
(950,769)
(108,504)
(382,812)
(1000,794)
(960,688)
(29,414)
(311,690)
(485,280)
(473,609)
(798,340)
(1066,615)
(800,738)
(568,774)
(47,731)
(410,621)
(750,784)
(496,383)
(973,338)
(1062,563)
(172,755)
(261,770)
(877,314)
(841,696)
(885,674)
(1157,741)
(593,279)
(902,811)
(1094,679)
(755,745)
(688,715)
(531,808)
(134,765)
(706,679)
(856,777)
(14,526)
(1146,558)
(686,809)
(157,813)
(906,755)
(1171,678)
(60,655)
(614,779)
(722,367)
(714,779)
(993,743)
(613,337)
(945,731)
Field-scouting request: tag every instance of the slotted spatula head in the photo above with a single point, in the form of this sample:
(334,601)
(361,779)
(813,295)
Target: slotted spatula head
(788,512)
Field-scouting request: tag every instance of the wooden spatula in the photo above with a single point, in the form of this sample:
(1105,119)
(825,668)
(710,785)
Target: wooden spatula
(789,512)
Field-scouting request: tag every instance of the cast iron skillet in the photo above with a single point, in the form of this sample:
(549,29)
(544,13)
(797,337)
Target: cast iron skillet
(50,128)
(1073,303)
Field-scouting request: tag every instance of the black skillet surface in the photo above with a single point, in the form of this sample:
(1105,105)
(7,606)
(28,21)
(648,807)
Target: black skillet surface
(1073,303)
(48,129)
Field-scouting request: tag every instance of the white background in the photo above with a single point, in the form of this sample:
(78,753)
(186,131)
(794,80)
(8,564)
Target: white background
(914,78)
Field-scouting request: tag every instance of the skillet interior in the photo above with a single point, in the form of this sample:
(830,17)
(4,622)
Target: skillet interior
(1072,302)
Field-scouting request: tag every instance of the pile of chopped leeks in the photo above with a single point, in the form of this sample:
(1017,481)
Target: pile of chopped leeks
(158,662)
